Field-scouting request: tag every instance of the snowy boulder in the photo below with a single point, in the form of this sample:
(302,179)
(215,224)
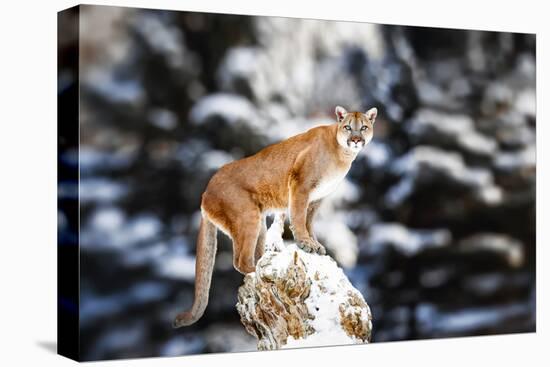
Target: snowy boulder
(296,299)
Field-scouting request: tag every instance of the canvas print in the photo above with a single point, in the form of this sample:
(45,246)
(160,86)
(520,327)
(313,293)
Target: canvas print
(233,183)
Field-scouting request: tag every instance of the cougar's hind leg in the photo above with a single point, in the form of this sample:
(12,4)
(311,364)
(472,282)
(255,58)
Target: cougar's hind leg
(245,232)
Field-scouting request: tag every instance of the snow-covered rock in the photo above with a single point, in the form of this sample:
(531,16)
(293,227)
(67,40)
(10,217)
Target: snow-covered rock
(296,299)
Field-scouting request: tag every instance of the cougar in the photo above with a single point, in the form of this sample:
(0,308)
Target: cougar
(294,174)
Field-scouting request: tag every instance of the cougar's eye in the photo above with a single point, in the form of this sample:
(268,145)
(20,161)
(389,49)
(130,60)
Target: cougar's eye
(347,127)
(364,127)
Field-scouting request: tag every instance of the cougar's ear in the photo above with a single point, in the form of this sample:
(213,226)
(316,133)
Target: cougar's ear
(340,113)
(371,114)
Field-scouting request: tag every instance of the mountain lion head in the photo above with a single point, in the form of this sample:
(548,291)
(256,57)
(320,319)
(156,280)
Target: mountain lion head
(355,129)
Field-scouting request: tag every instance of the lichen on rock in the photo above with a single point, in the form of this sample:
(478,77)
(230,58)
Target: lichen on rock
(297,299)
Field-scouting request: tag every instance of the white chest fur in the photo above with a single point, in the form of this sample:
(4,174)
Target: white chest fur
(326,186)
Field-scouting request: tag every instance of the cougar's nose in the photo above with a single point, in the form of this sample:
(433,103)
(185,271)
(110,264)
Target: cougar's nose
(355,139)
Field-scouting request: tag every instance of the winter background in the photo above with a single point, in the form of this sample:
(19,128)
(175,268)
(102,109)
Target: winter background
(435,223)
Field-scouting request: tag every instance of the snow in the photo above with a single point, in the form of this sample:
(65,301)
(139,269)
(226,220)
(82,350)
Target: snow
(430,125)
(165,39)
(491,195)
(329,289)
(323,302)
(507,247)
(239,62)
(398,193)
(145,255)
(404,240)
(101,190)
(107,219)
(423,163)
(426,158)
(214,159)
(525,158)
(378,154)
(467,321)
(95,306)
(427,119)
(273,237)
(109,229)
(339,239)
(233,108)
(163,118)
(177,267)
(346,192)
(115,89)
(92,160)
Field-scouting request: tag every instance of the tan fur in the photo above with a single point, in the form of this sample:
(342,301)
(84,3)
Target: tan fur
(293,174)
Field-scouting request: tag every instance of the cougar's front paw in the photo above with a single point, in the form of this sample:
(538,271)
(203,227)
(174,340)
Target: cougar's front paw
(320,249)
(306,244)
(310,245)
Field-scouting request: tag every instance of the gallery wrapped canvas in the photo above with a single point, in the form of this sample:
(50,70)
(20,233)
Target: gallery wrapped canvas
(232,183)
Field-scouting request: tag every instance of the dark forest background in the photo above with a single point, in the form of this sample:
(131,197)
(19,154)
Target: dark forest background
(435,224)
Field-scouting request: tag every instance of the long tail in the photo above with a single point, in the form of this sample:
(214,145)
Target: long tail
(206,253)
